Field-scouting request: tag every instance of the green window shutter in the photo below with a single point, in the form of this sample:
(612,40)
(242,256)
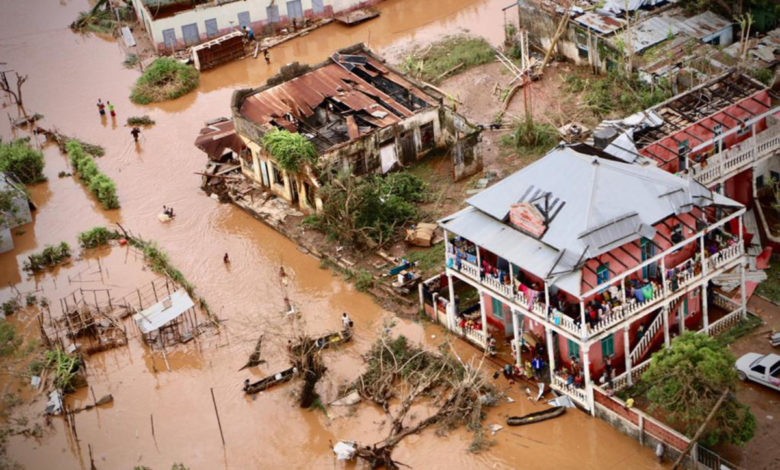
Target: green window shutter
(498,308)
(574,349)
(602,273)
(607,346)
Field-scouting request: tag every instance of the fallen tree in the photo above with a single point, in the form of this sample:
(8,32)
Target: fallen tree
(398,372)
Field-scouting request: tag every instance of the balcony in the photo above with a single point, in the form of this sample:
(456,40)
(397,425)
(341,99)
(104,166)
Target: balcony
(684,275)
(737,159)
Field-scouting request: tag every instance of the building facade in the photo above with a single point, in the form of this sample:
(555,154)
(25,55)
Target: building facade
(360,114)
(599,260)
(175,24)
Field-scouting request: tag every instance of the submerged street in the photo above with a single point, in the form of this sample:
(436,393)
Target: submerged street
(67,74)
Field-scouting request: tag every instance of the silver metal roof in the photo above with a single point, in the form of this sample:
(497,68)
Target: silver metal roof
(596,205)
(163,312)
(704,24)
(649,32)
(603,24)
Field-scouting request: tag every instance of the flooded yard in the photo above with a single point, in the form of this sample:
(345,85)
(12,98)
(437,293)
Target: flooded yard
(67,74)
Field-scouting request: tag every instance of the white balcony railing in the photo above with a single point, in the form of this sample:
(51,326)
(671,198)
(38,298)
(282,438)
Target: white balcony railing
(578,394)
(728,321)
(621,381)
(641,348)
(724,256)
(477,337)
(736,159)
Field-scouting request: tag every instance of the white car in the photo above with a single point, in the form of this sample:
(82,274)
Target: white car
(760,368)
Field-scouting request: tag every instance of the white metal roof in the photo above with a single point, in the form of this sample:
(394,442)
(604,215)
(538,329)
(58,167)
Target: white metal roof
(594,204)
(704,24)
(162,312)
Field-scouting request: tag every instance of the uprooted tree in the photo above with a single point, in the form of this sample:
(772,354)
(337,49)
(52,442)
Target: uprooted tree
(16,93)
(688,378)
(400,375)
(306,356)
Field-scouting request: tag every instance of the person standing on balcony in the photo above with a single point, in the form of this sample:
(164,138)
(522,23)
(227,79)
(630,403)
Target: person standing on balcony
(537,363)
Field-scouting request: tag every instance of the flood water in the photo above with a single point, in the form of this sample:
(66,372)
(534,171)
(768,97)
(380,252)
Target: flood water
(67,74)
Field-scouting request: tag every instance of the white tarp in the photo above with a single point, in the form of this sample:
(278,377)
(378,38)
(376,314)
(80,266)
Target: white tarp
(562,401)
(163,312)
(344,450)
(388,156)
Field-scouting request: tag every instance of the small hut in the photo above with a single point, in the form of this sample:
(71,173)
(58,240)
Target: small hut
(169,321)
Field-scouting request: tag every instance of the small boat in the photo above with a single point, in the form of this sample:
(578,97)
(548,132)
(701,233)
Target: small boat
(357,16)
(270,381)
(536,417)
(331,339)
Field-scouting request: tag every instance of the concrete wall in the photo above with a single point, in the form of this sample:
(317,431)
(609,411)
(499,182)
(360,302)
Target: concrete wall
(226,16)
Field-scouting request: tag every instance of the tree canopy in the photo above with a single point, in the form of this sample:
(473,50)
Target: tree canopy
(289,149)
(22,161)
(687,379)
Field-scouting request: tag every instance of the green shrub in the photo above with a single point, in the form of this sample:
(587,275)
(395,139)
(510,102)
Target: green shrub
(50,256)
(22,161)
(9,339)
(164,79)
(448,53)
(140,121)
(97,236)
(763,75)
(364,280)
(289,149)
(101,186)
(10,307)
(531,136)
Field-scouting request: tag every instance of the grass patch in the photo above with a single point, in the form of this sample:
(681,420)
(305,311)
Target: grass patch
(140,121)
(164,79)
(102,21)
(771,287)
(744,327)
(448,53)
(429,260)
(615,94)
(131,61)
(101,186)
(9,339)
(50,256)
(364,280)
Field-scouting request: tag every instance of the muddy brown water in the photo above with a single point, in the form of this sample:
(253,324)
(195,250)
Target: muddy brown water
(67,73)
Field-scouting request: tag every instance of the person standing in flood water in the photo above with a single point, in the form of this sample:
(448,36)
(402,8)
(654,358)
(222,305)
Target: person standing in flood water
(101,107)
(135,132)
(266,56)
(226,259)
(111,109)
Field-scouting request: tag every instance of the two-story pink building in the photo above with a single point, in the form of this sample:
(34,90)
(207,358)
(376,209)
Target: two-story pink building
(598,260)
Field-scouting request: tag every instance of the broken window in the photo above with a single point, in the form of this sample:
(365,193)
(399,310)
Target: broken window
(278,179)
(358,163)
(677,234)
(427,138)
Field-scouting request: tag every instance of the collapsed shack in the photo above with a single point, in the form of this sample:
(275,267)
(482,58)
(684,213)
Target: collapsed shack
(403,374)
(171,320)
(219,141)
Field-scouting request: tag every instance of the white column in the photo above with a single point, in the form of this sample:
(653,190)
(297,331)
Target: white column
(451,304)
(665,313)
(664,289)
(703,256)
(588,384)
(512,280)
(482,312)
(546,301)
(742,293)
(627,351)
(681,315)
(623,291)
(550,352)
(739,225)
(516,339)
(705,309)
(583,331)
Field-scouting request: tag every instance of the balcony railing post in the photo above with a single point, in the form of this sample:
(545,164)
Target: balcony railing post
(546,301)
(665,313)
(583,331)
(550,350)
(627,352)
(516,339)
(703,256)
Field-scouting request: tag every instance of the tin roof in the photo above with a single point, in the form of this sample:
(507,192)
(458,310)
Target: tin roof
(704,24)
(163,312)
(215,138)
(600,23)
(651,31)
(355,84)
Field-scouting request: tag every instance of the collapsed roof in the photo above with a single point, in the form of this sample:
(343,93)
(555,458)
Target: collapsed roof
(590,205)
(344,98)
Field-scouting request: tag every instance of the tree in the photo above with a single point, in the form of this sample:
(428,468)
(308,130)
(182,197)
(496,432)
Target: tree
(15,94)
(686,381)
(23,162)
(289,149)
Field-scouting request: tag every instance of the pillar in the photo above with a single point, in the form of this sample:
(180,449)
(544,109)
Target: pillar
(705,309)
(742,293)
(550,351)
(627,351)
(546,300)
(588,384)
(664,288)
(483,313)
(516,339)
(703,255)
(665,313)
(451,305)
(583,331)
(681,316)
(739,228)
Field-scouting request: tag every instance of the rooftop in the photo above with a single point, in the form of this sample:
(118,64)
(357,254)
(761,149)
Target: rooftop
(344,98)
(590,206)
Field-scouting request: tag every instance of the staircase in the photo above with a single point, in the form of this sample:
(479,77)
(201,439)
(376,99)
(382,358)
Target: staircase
(653,332)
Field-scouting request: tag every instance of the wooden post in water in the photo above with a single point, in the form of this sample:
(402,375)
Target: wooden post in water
(154,289)
(91,459)
(94,400)
(214,400)
(151,418)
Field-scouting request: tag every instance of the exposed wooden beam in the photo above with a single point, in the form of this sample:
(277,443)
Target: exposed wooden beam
(609,253)
(630,255)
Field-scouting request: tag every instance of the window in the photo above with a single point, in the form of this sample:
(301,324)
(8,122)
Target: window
(277,175)
(647,250)
(272,13)
(608,346)
(684,309)
(677,233)
(682,154)
(426,136)
(574,349)
(759,369)
(498,308)
(743,130)
(602,273)
(582,52)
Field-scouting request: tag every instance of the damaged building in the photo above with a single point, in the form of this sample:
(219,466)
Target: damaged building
(359,114)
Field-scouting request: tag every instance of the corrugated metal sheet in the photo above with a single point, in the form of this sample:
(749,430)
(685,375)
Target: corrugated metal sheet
(650,32)
(163,312)
(704,24)
(600,23)
(216,138)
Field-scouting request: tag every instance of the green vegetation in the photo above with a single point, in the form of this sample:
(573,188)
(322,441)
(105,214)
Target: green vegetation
(615,94)
(364,280)
(97,236)
(745,326)
(101,186)
(289,149)
(164,79)
(367,210)
(534,137)
(65,367)
(429,260)
(131,61)
(10,307)
(771,287)
(763,75)
(140,121)
(765,13)
(443,56)
(686,380)
(50,256)
(102,21)
(22,161)
(9,339)
(8,210)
